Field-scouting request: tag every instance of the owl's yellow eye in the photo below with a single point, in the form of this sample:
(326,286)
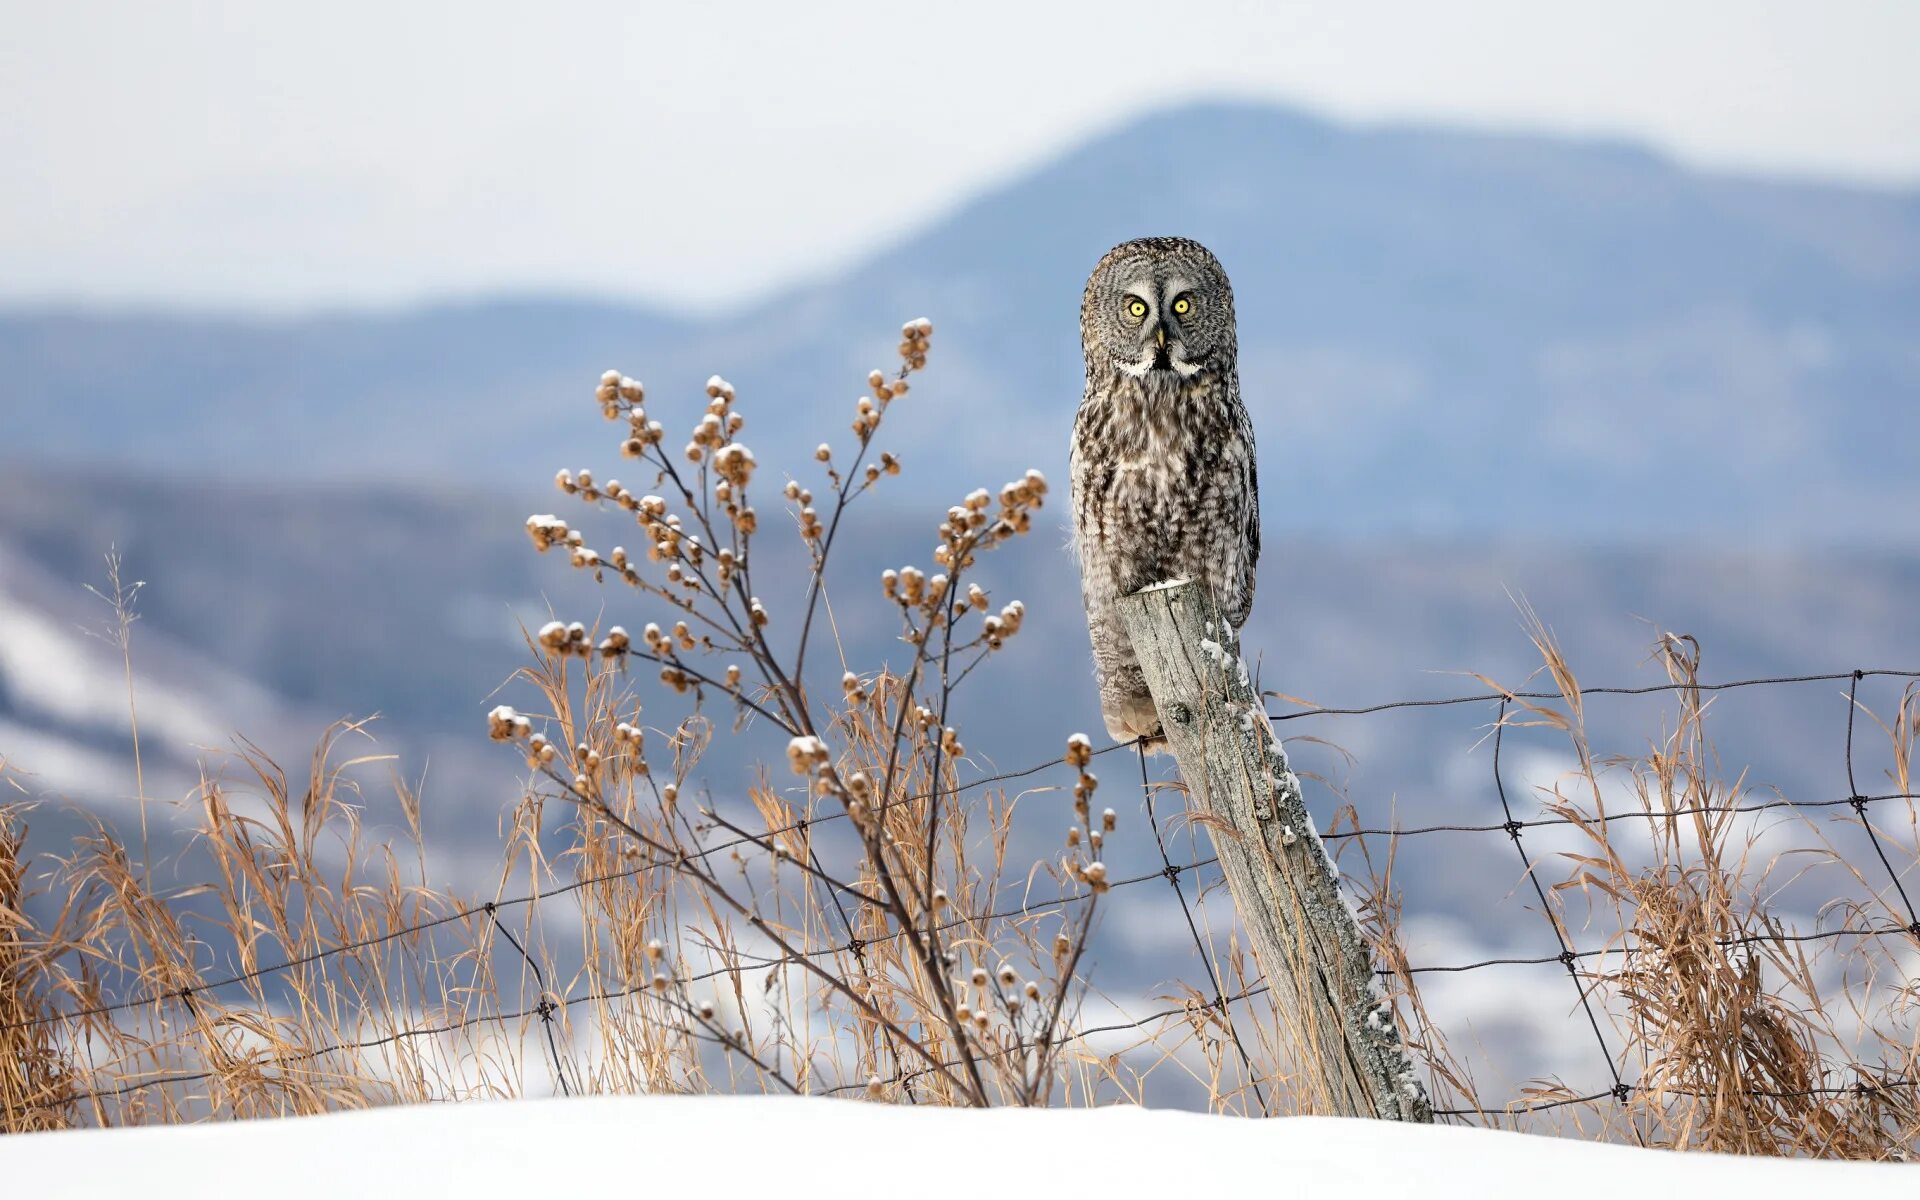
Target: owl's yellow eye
(1182,306)
(1137,308)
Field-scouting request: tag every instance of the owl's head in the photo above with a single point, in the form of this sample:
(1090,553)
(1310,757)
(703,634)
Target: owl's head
(1159,304)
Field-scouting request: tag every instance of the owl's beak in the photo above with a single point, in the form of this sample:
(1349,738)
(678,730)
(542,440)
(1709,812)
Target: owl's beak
(1160,336)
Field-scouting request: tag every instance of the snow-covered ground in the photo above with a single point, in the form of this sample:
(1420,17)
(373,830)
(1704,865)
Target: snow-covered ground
(681,1146)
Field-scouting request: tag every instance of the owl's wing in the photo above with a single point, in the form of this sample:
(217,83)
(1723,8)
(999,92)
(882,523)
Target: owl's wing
(1252,502)
(1253,514)
(1250,535)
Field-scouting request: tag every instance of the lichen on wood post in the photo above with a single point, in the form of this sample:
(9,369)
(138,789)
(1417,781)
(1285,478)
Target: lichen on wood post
(1285,886)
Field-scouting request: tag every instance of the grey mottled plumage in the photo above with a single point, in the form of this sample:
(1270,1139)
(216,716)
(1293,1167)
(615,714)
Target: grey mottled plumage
(1164,485)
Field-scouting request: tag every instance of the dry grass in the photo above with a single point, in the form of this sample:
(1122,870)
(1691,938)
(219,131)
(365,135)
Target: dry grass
(862,924)
(33,1081)
(1739,1037)
(1736,1031)
(355,945)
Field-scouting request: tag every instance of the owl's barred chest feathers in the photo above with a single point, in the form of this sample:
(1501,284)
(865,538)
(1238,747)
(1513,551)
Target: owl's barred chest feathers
(1164,479)
(1161,477)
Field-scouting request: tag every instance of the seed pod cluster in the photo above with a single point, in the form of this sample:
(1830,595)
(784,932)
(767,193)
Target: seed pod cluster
(1085,784)
(854,689)
(565,639)
(540,751)
(548,531)
(619,394)
(506,725)
(806,755)
(915,337)
(1079,750)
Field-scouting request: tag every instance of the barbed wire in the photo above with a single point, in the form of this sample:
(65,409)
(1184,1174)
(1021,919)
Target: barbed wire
(1637,690)
(1609,818)
(1568,955)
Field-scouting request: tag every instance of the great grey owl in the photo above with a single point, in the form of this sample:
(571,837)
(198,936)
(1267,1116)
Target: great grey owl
(1163,475)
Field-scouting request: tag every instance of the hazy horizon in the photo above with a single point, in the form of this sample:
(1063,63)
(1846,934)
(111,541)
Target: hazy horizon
(226,159)
(268,314)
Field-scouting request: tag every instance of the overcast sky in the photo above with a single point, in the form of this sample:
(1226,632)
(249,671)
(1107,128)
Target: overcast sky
(291,156)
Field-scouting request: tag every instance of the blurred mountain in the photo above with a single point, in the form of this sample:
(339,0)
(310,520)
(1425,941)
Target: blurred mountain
(1442,333)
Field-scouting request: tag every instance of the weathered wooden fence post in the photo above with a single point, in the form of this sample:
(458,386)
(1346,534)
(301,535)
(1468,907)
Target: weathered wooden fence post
(1284,885)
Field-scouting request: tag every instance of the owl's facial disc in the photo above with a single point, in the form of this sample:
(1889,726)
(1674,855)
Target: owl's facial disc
(1151,334)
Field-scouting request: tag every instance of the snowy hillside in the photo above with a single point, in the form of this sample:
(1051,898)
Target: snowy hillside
(679,1146)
